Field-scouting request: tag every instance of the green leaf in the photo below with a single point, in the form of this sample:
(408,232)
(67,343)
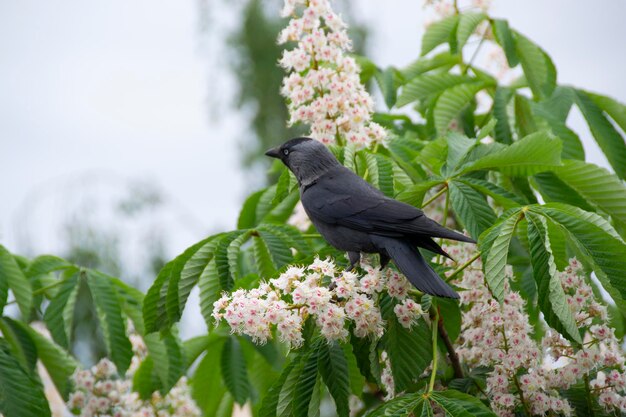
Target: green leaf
(234,374)
(424,86)
(59,314)
(303,390)
(444,60)
(458,148)
(385,80)
(414,195)
(597,186)
(357,381)
(408,354)
(598,241)
(497,252)
(59,364)
(501,101)
(247,216)
(439,32)
(400,406)
(501,196)
(471,208)
(21,395)
(385,175)
(167,354)
(222,259)
(333,367)
(537,66)
(145,379)
(551,297)
(534,153)
(458,404)
(207,388)
(524,119)
(112,324)
(232,253)
(607,137)
(11,273)
(505,38)
(553,189)
(468,22)
(278,248)
(210,289)
(181,283)
(615,109)
(451,102)
(20,344)
(270,401)
(282,186)
(45,264)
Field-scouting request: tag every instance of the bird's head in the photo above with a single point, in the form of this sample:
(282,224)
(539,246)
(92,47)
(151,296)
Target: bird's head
(305,157)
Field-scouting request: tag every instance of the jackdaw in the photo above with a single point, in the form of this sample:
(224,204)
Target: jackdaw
(355,217)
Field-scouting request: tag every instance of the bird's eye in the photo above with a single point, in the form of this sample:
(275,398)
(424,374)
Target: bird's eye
(286,151)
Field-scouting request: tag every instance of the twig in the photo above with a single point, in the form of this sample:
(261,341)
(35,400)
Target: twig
(462,267)
(40,290)
(436,196)
(431,385)
(454,358)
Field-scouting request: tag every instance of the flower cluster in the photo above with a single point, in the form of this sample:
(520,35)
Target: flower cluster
(99,391)
(499,336)
(322,87)
(331,297)
(600,359)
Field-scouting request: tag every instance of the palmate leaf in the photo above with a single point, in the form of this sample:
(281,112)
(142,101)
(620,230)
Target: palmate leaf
(12,277)
(551,297)
(408,353)
(19,343)
(21,394)
(333,367)
(270,402)
(537,65)
(500,195)
(494,244)
(421,87)
(59,314)
(444,60)
(598,241)
(234,373)
(207,388)
(471,208)
(458,404)
(168,356)
(181,283)
(210,290)
(452,101)
(414,195)
(440,32)
(59,364)
(505,38)
(45,264)
(534,153)
(597,186)
(553,189)
(305,385)
(400,406)
(605,134)
(615,109)
(112,323)
(468,22)
(501,101)
(155,308)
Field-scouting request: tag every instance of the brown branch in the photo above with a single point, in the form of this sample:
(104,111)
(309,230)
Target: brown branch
(454,358)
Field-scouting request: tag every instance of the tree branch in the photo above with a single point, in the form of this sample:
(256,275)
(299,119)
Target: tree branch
(454,358)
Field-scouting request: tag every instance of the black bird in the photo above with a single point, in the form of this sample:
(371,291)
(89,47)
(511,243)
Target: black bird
(355,217)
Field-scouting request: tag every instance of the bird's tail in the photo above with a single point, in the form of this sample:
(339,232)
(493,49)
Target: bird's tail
(438,230)
(412,264)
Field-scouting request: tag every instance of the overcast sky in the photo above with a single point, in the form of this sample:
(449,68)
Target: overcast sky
(122,87)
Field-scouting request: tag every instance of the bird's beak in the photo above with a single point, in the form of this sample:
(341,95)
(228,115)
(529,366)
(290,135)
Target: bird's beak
(274,153)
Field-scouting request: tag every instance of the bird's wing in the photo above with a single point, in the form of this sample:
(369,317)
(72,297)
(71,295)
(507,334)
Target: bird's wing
(343,198)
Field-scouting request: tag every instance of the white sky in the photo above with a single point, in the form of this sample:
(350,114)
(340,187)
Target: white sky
(122,86)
